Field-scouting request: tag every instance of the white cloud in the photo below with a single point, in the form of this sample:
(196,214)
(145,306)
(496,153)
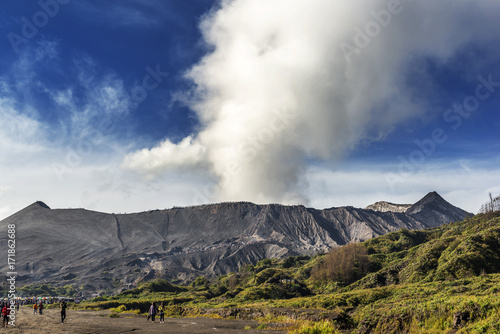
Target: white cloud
(153,161)
(102,97)
(105,101)
(20,135)
(5,211)
(4,190)
(278,89)
(22,77)
(50,152)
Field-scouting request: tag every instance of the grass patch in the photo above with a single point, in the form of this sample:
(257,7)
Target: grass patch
(309,327)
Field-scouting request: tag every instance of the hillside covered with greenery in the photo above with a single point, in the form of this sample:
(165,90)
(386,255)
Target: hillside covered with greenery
(445,279)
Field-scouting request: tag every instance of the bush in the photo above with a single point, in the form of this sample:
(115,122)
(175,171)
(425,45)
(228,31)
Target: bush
(247,269)
(264,263)
(161,285)
(266,274)
(200,283)
(321,327)
(232,282)
(119,309)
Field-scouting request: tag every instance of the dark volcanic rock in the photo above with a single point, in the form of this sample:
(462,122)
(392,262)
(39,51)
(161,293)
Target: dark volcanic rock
(113,251)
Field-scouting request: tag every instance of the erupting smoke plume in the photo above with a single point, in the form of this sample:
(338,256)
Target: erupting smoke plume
(288,81)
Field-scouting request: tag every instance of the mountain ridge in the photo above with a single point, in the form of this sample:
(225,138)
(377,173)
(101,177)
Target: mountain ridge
(78,246)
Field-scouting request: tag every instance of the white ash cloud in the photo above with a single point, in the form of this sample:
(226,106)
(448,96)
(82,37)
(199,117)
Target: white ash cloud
(290,81)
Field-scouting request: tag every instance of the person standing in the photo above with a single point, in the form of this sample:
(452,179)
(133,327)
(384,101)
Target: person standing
(152,311)
(40,308)
(35,308)
(161,309)
(63,307)
(5,315)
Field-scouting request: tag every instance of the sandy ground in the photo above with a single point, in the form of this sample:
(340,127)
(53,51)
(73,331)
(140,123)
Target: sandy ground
(93,322)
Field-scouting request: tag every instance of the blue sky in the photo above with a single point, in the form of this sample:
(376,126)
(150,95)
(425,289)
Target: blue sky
(124,106)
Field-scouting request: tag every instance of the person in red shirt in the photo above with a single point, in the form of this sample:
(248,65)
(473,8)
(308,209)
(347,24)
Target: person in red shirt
(5,315)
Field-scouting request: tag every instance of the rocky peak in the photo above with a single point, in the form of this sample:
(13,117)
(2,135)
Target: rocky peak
(432,199)
(433,204)
(41,204)
(384,206)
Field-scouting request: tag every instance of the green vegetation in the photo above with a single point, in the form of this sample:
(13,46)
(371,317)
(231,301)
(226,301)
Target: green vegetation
(47,290)
(344,265)
(445,279)
(309,327)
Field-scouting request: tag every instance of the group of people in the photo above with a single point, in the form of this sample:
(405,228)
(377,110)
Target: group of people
(154,310)
(8,304)
(62,306)
(38,307)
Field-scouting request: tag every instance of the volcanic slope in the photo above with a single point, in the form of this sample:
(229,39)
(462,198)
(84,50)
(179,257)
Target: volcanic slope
(108,252)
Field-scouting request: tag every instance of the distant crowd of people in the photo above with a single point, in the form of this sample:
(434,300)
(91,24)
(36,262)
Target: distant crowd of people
(44,300)
(38,307)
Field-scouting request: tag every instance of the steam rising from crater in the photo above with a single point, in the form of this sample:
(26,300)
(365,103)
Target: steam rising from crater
(290,81)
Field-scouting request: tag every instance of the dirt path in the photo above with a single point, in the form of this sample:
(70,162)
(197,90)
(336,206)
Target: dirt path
(95,322)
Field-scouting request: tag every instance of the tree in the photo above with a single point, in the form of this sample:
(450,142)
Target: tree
(491,206)
(345,264)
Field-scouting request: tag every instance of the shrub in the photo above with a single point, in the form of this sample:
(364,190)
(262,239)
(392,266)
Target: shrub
(264,262)
(247,269)
(119,309)
(321,327)
(266,274)
(200,283)
(161,285)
